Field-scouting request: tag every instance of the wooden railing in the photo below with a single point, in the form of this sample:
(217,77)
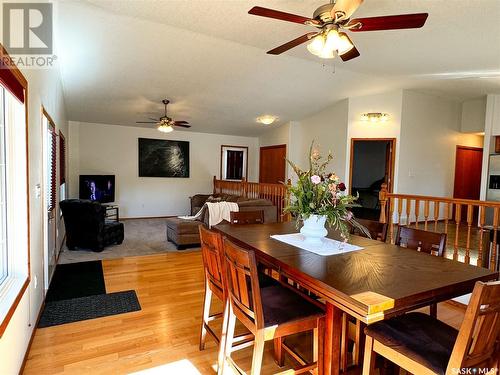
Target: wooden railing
(463,220)
(276,193)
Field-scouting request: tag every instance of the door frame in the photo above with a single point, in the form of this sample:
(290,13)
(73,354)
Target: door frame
(390,186)
(270,148)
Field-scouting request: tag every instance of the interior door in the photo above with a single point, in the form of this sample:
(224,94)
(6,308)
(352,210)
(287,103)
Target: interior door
(272,165)
(467,185)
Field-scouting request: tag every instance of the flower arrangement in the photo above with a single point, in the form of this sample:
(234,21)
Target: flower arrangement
(321,193)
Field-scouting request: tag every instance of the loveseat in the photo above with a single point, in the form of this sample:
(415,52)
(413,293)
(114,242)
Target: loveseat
(184,233)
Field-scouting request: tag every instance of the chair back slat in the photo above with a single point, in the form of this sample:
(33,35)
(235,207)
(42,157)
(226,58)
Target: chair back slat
(247,217)
(242,282)
(377,230)
(211,249)
(478,341)
(421,240)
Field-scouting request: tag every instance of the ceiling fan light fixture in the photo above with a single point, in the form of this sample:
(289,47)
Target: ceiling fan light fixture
(317,44)
(165,127)
(345,44)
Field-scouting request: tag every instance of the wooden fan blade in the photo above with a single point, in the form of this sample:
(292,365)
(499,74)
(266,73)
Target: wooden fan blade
(276,14)
(347,7)
(401,21)
(146,122)
(182,125)
(349,55)
(291,44)
(181,122)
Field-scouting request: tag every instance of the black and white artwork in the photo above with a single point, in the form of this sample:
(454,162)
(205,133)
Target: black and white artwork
(163,158)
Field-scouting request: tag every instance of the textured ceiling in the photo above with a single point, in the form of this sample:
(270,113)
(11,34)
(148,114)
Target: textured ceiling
(120,58)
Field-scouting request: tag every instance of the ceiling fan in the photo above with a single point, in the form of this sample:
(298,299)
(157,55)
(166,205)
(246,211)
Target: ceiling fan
(332,20)
(165,123)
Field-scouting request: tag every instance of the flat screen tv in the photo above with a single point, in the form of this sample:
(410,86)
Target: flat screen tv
(99,188)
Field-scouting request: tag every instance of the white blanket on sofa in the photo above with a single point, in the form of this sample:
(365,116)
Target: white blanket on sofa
(218,211)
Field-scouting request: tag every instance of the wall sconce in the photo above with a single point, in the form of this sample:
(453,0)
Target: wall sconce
(375,117)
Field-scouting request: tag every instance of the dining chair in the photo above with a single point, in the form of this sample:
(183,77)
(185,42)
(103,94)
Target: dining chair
(424,241)
(211,249)
(247,217)
(268,313)
(377,230)
(421,344)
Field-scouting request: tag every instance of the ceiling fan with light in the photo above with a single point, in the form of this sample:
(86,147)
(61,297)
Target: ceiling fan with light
(165,123)
(332,20)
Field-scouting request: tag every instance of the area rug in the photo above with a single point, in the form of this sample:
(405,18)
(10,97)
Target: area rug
(142,237)
(76,280)
(90,307)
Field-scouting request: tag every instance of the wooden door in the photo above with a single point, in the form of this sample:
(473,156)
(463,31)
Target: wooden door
(468,165)
(272,165)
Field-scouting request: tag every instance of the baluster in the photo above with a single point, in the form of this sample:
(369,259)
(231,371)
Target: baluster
(417,212)
(493,260)
(408,211)
(470,210)
(426,213)
(391,224)
(458,214)
(446,216)
(436,215)
(482,210)
(400,210)
(382,197)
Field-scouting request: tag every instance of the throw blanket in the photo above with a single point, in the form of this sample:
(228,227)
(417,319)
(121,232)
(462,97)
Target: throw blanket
(218,211)
(194,217)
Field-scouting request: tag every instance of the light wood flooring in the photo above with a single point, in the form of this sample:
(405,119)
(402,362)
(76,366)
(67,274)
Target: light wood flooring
(162,338)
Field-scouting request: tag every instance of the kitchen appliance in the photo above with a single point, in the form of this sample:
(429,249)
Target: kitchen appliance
(493,191)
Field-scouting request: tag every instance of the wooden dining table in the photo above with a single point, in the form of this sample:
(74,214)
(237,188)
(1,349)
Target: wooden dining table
(378,282)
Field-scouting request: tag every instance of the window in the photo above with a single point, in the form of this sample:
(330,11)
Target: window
(14,230)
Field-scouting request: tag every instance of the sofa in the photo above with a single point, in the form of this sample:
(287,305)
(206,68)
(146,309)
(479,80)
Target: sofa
(86,226)
(184,233)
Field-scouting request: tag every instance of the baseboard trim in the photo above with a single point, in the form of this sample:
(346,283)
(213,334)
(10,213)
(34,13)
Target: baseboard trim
(146,217)
(25,359)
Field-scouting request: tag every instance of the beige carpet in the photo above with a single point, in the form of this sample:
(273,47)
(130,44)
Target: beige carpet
(142,237)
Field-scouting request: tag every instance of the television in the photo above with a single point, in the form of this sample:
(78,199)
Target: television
(99,188)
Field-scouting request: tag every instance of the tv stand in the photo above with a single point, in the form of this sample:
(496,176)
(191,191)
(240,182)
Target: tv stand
(112,212)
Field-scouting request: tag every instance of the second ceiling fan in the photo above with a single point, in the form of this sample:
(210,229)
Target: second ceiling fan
(332,20)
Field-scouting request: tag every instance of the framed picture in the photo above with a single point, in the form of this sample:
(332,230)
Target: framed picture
(234,163)
(163,158)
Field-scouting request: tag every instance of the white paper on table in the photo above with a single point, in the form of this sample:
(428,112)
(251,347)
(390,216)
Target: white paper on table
(327,247)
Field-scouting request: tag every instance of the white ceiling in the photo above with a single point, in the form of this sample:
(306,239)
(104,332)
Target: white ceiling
(120,58)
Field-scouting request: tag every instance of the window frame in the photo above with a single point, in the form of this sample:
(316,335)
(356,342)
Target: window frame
(21,80)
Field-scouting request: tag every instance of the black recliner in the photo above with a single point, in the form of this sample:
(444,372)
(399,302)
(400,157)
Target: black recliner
(86,226)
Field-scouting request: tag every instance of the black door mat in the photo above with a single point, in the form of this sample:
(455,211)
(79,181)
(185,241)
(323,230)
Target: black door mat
(76,280)
(90,307)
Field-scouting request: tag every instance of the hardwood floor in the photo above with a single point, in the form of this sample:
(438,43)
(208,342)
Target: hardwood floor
(162,337)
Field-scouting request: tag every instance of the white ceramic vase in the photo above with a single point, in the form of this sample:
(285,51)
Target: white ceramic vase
(314,229)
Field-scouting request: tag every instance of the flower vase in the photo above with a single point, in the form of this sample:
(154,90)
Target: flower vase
(314,229)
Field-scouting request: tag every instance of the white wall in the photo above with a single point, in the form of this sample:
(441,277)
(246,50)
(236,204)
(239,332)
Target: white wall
(44,89)
(111,149)
(390,103)
(430,132)
(473,115)
(328,129)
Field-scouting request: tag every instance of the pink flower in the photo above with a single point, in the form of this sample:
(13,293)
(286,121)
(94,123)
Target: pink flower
(332,187)
(315,179)
(349,215)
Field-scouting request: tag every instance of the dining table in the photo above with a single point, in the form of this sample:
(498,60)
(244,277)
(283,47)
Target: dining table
(374,283)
